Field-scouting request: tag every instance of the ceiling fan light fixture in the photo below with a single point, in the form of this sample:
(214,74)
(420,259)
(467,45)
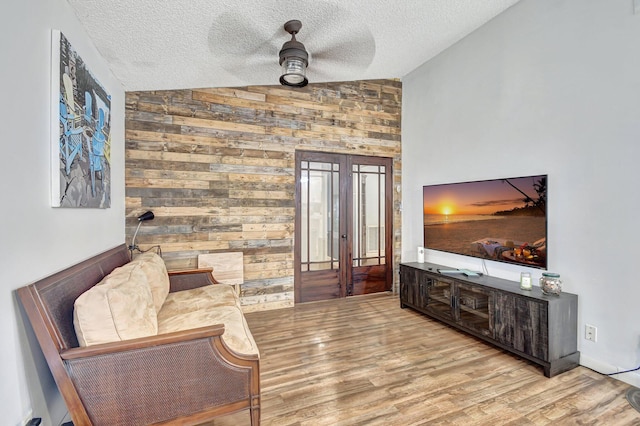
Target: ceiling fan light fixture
(293,72)
(294,58)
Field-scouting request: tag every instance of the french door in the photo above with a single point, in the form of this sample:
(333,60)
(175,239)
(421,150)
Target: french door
(344,220)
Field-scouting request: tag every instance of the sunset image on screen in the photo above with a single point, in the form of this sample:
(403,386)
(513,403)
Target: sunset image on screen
(488,218)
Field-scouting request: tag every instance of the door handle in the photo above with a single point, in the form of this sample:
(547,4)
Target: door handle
(344,236)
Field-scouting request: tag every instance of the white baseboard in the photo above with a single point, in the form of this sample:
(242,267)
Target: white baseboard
(632,378)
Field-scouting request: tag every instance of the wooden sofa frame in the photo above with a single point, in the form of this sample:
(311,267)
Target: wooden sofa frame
(185,378)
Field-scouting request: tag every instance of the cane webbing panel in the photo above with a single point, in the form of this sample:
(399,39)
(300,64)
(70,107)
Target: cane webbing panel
(157,384)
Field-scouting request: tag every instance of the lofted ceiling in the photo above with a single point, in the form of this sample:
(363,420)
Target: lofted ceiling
(177,44)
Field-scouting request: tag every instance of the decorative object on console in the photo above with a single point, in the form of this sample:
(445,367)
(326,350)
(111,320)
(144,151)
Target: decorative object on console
(501,219)
(148,215)
(525,281)
(550,283)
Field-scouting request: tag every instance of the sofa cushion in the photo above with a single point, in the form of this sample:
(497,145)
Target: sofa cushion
(204,306)
(120,307)
(156,271)
(205,297)
(236,331)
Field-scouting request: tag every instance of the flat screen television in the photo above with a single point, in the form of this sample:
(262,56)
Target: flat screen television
(504,220)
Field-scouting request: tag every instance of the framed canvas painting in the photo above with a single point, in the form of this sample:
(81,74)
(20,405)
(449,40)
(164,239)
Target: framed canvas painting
(81,139)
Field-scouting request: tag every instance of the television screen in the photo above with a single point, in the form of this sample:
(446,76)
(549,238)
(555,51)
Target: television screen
(501,219)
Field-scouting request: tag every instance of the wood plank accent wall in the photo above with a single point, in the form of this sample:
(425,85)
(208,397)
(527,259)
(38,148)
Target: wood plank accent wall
(216,166)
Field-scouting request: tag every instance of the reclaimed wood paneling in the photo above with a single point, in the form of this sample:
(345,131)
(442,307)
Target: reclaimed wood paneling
(216,166)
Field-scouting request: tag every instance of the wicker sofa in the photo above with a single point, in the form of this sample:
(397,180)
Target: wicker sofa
(175,351)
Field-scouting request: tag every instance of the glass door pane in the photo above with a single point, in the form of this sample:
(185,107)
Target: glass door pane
(439,297)
(369,186)
(320,204)
(474,309)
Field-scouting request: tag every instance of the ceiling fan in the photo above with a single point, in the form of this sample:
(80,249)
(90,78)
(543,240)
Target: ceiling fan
(337,45)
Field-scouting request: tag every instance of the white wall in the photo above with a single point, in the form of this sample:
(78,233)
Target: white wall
(548,87)
(36,239)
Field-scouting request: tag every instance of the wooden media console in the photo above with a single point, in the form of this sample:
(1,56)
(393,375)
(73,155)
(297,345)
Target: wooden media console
(530,324)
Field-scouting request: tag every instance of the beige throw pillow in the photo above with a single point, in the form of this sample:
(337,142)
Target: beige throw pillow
(120,307)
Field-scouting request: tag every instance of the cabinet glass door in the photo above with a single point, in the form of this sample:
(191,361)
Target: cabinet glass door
(439,300)
(474,309)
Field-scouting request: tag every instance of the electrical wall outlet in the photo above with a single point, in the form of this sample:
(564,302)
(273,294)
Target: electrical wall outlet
(591,333)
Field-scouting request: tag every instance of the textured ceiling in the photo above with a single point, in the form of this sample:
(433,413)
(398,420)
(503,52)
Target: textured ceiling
(175,44)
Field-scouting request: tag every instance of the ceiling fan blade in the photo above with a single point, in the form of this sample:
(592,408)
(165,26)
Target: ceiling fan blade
(339,40)
(324,72)
(244,42)
(354,52)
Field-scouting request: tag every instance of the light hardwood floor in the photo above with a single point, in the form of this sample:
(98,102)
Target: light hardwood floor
(364,361)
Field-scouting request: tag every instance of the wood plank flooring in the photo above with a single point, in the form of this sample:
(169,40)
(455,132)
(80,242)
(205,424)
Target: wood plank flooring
(365,361)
